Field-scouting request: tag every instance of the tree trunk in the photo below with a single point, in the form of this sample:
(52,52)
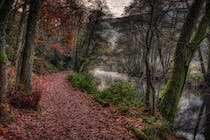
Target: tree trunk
(28,50)
(208,67)
(207,96)
(1,3)
(20,42)
(183,55)
(4,11)
(198,121)
(203,70)
(207,104)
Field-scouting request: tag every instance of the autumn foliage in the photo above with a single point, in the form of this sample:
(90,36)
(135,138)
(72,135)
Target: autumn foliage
(23,100)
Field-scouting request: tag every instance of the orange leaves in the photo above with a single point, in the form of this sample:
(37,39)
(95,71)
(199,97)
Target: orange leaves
(4,128)
(72,41)
(3,131)
(58,24)
(42,67)
(56,45)
(65,44)
(40,40)
(38,58)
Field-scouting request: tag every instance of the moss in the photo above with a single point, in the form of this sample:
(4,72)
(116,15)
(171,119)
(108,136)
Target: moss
(124,109)
(183,56)
(140,135)
(171,93)
(97,98)
(3,58)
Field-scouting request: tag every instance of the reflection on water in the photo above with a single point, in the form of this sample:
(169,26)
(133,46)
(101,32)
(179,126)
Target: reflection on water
(187,115)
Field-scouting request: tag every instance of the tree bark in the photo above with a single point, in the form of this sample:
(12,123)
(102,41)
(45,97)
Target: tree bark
(20,42)
(183,55)
(207,104)
(203,70)
(1,3)
(207,96)
(198,121)
(28,50)
(4,11)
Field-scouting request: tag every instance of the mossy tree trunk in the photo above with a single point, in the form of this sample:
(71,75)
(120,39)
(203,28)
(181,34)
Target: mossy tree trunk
(186,47)
(27,54)
(4,11)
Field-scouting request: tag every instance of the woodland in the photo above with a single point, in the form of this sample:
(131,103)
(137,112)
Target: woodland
(73,70)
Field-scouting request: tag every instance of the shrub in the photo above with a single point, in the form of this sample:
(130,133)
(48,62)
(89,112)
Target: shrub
(122,92)
(83,82)
(23,100)
(155,131)
(123,95)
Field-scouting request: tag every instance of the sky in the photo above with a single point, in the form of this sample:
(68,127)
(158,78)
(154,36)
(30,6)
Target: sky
(117,6)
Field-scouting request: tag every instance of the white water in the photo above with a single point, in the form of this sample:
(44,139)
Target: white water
(106,79)
(189,136)
(187,115)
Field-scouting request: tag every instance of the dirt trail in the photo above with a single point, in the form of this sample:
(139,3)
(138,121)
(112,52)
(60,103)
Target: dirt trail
(67,114)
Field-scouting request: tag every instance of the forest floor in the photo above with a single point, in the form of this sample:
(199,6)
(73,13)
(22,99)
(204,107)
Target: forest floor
(66,114)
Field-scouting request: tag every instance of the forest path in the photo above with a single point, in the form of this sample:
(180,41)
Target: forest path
(67,114)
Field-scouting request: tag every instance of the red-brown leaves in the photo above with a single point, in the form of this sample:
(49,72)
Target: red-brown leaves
(24,100)
(66,114)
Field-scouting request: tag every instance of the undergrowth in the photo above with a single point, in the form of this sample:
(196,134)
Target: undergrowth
(125,99)
(83,82)
(20,99)
(122,95)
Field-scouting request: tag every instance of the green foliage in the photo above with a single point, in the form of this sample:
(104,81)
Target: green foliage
(83,82)
(155,128)
(50,68)
(139,133)
(123,92)
(124,98)
(3,58)
(153,131)
(123,95)
(170,95)
(148,119)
